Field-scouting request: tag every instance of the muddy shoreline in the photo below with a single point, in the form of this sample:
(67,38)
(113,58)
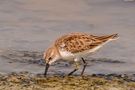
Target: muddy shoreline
(27,81)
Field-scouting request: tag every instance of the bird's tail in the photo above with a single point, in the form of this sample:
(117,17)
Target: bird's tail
(114,36)
(107,37)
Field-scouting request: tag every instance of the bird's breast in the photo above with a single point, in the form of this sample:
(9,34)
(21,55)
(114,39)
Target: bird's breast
(66,55)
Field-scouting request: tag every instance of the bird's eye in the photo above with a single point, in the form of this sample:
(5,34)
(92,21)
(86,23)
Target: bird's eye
(50,58)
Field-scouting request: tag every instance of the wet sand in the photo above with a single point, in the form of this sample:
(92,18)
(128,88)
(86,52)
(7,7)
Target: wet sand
(28,27)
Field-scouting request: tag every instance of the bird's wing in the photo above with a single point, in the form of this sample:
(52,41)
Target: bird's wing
(75,43)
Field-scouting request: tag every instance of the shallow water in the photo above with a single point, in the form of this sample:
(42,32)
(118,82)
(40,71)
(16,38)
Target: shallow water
(31,26)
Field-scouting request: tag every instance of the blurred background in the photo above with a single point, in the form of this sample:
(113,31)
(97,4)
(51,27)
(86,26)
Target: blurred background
(32,25)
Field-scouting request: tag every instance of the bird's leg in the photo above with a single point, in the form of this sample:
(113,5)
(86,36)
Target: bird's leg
(84,66)
(77,66)
(46,69)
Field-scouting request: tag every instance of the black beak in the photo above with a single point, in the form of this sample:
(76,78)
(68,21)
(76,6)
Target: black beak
(46,69)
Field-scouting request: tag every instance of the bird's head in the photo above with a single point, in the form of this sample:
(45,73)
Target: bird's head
(50,56)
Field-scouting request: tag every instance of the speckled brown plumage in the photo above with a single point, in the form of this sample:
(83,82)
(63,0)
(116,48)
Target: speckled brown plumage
(78,42)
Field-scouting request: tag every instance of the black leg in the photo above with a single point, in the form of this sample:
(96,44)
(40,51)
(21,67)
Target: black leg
(72,72)
(84,66)
(76,68)
(46,69)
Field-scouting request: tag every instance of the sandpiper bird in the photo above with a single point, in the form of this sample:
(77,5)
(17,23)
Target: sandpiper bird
(75,46)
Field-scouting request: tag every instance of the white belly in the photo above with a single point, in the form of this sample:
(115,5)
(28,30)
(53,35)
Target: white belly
(70,56)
